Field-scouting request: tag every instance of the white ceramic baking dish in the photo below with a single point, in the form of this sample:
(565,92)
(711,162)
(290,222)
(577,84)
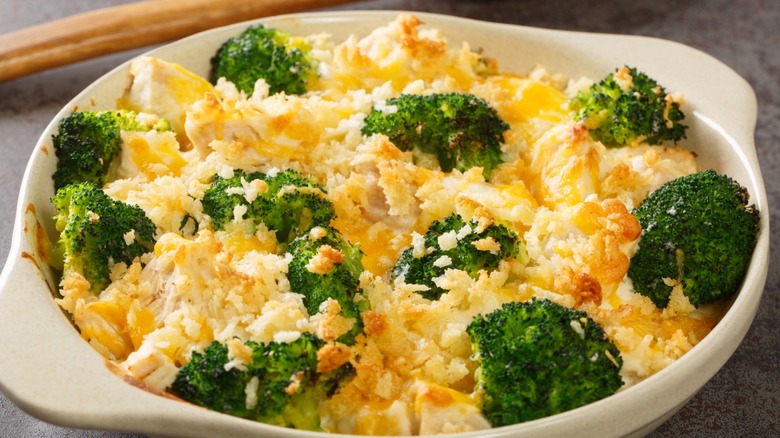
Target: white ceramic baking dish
(50,372)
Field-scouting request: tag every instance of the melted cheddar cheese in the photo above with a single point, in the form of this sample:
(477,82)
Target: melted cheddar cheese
(565,194)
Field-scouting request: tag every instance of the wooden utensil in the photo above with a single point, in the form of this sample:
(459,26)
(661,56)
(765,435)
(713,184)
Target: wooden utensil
(128,26)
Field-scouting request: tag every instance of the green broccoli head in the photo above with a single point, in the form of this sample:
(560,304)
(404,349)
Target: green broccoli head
(538,359)
(453,243)
(287,202)
(225,194)
(699,231)
(97,232)
(262,52)
(461,130)
(627,106)
(325,265)
(297,204)
(87,142)
(280,386)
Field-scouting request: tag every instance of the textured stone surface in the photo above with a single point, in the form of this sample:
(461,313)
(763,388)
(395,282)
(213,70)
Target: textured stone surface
(743,399)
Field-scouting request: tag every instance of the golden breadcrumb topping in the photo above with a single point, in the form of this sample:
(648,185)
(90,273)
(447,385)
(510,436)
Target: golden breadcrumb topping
(566,195)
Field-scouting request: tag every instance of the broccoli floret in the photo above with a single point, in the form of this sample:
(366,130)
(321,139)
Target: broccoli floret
(461,130)
(539,358)
(467,249)
(627,106)
(296,205)
(698,231)
(287,202)
(225,194)
(325,265)
(281,385)
(87,141)
(262,52)
(97,232)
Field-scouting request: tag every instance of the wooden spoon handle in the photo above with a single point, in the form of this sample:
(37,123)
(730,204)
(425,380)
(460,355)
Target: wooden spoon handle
(128,26)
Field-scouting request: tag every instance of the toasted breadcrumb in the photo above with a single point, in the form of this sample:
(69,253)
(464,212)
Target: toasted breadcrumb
(568,197)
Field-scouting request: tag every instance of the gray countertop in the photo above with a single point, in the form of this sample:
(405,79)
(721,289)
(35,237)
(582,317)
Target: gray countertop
(743,399)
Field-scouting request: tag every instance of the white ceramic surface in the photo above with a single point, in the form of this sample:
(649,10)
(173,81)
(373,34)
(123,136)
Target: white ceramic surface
(50,372)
